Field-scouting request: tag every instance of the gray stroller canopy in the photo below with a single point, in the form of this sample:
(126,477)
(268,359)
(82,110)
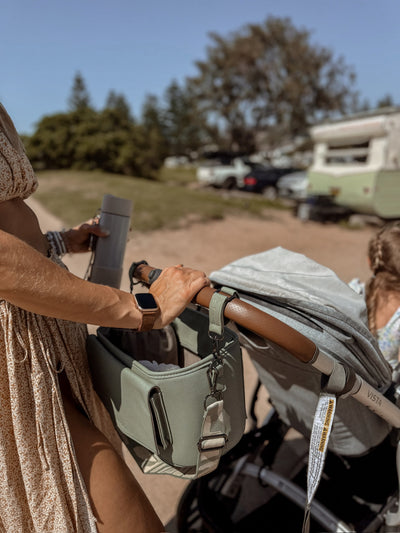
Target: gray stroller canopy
(283,282)
(314,301)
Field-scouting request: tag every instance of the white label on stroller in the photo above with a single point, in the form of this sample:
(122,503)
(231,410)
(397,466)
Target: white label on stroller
(321,430)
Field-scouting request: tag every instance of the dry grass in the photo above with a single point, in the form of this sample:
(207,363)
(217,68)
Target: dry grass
(75,196)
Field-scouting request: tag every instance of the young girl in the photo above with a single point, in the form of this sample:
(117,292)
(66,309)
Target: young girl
(382,290)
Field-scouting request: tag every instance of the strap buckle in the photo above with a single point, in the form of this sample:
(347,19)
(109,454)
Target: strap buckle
(212,375)
(215,395)
(219,440)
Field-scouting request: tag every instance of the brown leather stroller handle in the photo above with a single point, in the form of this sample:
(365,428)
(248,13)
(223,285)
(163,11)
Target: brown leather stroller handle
(247,316)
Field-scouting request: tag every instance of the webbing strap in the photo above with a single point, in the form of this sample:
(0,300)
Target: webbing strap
(212,440)
(341,380)
(214,430)
(216,310)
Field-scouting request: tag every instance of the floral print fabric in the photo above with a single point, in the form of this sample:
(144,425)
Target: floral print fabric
(389,335)
(389,339)
(41,487)
(17,178)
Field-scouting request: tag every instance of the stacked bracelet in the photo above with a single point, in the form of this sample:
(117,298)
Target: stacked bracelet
(57,242)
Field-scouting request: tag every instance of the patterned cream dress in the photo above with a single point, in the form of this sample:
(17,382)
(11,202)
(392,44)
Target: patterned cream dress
(41,486)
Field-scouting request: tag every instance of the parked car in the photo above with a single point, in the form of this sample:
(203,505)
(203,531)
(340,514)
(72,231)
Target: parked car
(225,176)
(293,185)
(263,179)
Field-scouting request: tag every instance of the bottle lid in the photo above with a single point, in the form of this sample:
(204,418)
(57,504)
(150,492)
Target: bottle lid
(117,206)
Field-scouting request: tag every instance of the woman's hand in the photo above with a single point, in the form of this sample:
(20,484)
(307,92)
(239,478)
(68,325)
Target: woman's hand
(79,238)
(174,289)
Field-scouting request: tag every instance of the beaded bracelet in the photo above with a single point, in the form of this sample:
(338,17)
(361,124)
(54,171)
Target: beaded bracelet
(57,242)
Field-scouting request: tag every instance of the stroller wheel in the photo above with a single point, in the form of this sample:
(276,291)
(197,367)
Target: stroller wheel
(201,510)
(188,516)
(208,505)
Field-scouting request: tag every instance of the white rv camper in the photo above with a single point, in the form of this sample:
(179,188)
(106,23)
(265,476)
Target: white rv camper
(356,164)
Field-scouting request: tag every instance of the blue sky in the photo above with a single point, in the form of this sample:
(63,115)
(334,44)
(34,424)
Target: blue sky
(138,47)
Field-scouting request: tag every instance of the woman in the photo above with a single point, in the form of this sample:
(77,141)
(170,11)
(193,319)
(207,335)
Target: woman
(59,472)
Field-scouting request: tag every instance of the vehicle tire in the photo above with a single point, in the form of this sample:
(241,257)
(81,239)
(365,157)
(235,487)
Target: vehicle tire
(270,193)
(229,183)
(303,211)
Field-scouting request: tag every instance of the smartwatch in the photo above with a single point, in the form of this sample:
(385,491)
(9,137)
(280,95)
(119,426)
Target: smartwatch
(148,307)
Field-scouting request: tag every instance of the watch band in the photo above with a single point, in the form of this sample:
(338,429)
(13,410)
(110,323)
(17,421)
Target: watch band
(148,319)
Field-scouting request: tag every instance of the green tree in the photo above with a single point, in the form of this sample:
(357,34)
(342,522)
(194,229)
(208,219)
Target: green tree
(120,108)
(79,99)
(91,141)
(185,127)
(153,124)
(53,144)
(152,116)
(270,76)
(86,139)
(386,101)
(141,155)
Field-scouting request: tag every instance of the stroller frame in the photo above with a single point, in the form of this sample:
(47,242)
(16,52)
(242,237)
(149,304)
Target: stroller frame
(213,504)
(253,458)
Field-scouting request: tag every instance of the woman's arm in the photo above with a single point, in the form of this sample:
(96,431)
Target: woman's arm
(33,282)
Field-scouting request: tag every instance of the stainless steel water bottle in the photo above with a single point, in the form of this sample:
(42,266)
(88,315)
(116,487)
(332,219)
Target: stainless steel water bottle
(115,216)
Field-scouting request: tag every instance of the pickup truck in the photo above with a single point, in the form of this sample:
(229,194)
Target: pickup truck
(224,176)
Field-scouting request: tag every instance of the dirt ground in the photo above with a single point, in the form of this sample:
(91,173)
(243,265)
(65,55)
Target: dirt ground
(211,245)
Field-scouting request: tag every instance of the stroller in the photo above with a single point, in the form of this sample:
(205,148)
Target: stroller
(328,444)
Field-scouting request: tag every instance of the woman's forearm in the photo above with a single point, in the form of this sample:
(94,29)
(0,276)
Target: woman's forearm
(33,282)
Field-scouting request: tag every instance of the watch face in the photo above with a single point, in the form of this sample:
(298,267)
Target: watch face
(146,301)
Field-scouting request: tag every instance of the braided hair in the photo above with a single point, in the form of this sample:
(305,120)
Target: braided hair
(384,257)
